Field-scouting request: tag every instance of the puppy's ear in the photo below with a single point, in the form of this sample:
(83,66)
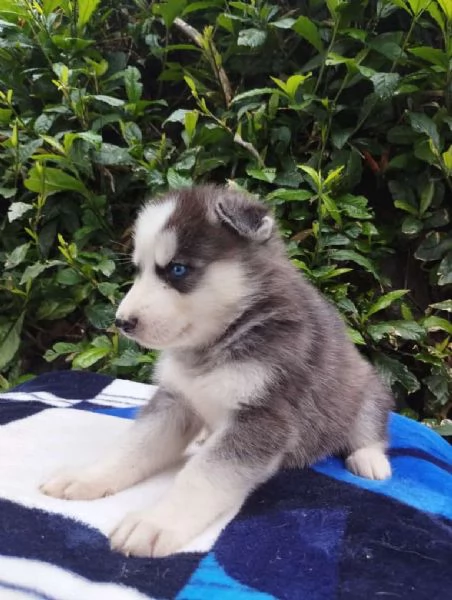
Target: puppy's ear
(247,218)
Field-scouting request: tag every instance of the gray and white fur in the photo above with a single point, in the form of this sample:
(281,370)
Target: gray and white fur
(250,351)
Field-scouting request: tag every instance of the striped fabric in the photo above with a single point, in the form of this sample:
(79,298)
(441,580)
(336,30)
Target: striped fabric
(314,534)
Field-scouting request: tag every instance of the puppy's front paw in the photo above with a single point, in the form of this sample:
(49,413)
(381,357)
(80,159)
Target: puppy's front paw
(77,484)
(143,534)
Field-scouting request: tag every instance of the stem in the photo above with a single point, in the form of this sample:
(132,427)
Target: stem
(211,54)
(330,118)
(447,47)
(408,35)
(330,47)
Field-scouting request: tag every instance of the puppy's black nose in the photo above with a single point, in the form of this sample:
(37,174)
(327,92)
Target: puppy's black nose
(126,325)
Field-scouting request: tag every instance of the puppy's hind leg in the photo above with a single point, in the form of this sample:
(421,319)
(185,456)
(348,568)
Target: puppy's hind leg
(370,462)
(367,445)
(154,441)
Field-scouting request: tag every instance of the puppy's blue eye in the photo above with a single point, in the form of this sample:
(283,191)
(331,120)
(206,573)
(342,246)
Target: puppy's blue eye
(177,270)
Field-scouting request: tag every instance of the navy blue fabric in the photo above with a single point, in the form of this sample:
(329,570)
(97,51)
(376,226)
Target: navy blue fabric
(13,411)
(71,385)
(362,544)
(69,544)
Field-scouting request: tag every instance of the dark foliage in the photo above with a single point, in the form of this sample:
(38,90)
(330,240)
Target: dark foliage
(337,113)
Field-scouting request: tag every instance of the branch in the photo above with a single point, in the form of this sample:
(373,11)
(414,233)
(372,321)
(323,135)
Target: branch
(251,149)
(197,38)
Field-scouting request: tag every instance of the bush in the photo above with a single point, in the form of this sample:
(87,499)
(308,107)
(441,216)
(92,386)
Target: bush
(337,114)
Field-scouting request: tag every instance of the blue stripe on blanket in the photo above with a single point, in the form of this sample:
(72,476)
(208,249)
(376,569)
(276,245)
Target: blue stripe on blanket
(422,468)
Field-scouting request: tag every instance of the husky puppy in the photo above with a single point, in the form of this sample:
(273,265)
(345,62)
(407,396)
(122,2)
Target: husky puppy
(250,350)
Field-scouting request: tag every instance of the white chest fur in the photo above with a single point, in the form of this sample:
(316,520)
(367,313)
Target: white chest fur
(213,395)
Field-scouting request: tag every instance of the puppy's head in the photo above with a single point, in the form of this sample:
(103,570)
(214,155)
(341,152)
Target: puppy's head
(192,251)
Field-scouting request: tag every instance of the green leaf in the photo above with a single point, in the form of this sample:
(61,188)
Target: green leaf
(178,116)
(132,81)
(108,100)
(131,133)
(85,11)
(48,180)
(10,332)
(43,123)
(102,341)
(340,137)
(17,210)
(447,8)
(89,357)
(353,256)
(432,55)
(433,246)
(59,349)
(417,6)
(309,31)
(436,15)
(385,84)
(289,195)
(433,323)
(332,7)
(293,83)
(426,193)
(111,155)
(385,301)
(176,180)
(68,277)
(17,256)
(444,305)
(421,123)
(252,94)
(170,10)
(50,5)
(190,120)
(355,336)
(355,207)
(33,271)
(51,310)
(313,174)
(253,38)
(266,174)
(411,225)
(423,151)
(439,387)
(106,267)
(285,23)
(445,270)
(393,371)
(331,207)
(407,330)
(447,160)
(6,192)
(100,316)
(108,290)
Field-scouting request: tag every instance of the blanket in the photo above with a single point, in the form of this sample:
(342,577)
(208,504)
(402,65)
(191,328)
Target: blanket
(312,534)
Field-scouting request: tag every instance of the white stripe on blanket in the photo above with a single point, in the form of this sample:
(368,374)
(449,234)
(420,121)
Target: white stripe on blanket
(32,449)
(119,393)
(39,579)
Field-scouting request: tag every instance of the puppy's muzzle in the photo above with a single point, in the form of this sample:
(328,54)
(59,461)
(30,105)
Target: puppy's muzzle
(127,325)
